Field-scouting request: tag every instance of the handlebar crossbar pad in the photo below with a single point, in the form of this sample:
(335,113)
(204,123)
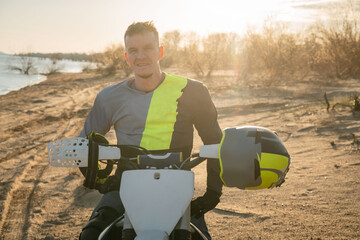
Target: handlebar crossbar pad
(159,161)
(92,170)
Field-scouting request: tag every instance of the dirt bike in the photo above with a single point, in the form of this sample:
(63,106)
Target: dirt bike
(250,157)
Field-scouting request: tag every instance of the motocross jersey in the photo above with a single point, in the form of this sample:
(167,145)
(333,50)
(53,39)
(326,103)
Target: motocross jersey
(162,119)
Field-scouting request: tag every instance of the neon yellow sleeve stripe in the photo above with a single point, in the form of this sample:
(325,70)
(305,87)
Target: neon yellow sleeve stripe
(221,166)
(162,113)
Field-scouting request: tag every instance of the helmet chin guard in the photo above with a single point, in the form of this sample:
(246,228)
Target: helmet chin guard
(252,158)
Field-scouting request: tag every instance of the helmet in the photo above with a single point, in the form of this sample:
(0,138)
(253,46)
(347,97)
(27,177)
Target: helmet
(252,158)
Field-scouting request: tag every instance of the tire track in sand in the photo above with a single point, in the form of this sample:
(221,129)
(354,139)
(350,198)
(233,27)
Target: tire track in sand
(16,213)
(51,115)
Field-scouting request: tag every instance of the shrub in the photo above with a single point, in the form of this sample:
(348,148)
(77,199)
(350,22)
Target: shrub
(24,65)
(339,48)
(274,54)
(203,56)
(171,42)
(112,60)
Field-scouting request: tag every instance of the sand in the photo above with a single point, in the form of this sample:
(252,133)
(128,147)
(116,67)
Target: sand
(319,200)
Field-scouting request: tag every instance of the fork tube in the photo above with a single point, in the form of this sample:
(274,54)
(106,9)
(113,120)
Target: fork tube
(182,229)
(128,232)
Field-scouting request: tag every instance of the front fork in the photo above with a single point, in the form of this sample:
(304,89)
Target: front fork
(128,232)
(181,230)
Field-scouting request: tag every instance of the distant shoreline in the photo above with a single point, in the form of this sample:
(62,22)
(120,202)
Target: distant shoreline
(10,66)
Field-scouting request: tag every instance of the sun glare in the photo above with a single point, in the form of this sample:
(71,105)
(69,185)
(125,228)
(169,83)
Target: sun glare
(238,16)
(49,23)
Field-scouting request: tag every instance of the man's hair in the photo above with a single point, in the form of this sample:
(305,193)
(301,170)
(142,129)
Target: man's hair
(141,27)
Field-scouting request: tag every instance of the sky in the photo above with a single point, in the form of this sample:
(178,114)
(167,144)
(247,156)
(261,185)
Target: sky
(86,26)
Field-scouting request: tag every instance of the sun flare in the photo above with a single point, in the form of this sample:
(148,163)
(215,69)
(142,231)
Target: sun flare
(237,16)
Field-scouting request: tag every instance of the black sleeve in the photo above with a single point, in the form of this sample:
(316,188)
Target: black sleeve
(206,124)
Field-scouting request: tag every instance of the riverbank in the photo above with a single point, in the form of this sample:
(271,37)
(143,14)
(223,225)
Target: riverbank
(12,70)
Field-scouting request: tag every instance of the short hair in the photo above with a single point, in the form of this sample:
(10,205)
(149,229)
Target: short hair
(141,27)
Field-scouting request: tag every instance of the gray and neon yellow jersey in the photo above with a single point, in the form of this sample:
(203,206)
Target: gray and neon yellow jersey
(163,119)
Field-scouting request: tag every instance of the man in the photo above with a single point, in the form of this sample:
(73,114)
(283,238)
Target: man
(157,111)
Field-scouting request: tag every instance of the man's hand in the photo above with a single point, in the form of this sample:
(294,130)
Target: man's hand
(203,204)
(112,183)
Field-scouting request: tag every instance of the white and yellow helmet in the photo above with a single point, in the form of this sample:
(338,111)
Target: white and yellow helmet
(252,158)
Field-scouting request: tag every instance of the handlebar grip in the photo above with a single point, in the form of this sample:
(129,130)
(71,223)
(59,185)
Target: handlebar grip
(92,170)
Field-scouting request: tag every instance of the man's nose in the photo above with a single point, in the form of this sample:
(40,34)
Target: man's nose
(141,54)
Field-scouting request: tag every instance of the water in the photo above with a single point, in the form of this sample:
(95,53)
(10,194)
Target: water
(11,80)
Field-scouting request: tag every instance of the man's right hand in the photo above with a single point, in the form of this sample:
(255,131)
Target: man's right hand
(112,183)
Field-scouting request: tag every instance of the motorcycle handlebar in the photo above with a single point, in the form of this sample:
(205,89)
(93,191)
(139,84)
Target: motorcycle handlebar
(145,160)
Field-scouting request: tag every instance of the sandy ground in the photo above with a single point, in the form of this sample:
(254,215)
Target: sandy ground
(319,200)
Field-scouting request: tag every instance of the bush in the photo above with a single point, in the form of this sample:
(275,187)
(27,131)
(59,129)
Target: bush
(274,54)
(24,65)
(112,60)
(338,47)
(203,56)
(171,42)
(54,66)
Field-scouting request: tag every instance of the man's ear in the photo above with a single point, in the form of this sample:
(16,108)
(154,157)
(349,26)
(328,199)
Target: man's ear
(127,59)
(161,54)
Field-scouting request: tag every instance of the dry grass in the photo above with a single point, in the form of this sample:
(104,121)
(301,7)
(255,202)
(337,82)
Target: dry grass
(274,55)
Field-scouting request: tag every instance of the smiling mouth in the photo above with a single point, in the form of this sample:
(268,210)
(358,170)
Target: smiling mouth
(142,64)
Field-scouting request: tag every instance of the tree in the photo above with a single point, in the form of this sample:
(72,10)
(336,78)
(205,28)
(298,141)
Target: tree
(54,66)
(274,54)
(340,42)
(203,56)
(24,65)
(192,56)
(113,60)
(171,42)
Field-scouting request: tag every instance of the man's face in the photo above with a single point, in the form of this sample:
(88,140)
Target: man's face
(143,54)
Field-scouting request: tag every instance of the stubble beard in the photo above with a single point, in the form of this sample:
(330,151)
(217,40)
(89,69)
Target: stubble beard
(147,76)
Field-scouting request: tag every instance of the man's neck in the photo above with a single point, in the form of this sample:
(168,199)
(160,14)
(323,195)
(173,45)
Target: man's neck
(149,84)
